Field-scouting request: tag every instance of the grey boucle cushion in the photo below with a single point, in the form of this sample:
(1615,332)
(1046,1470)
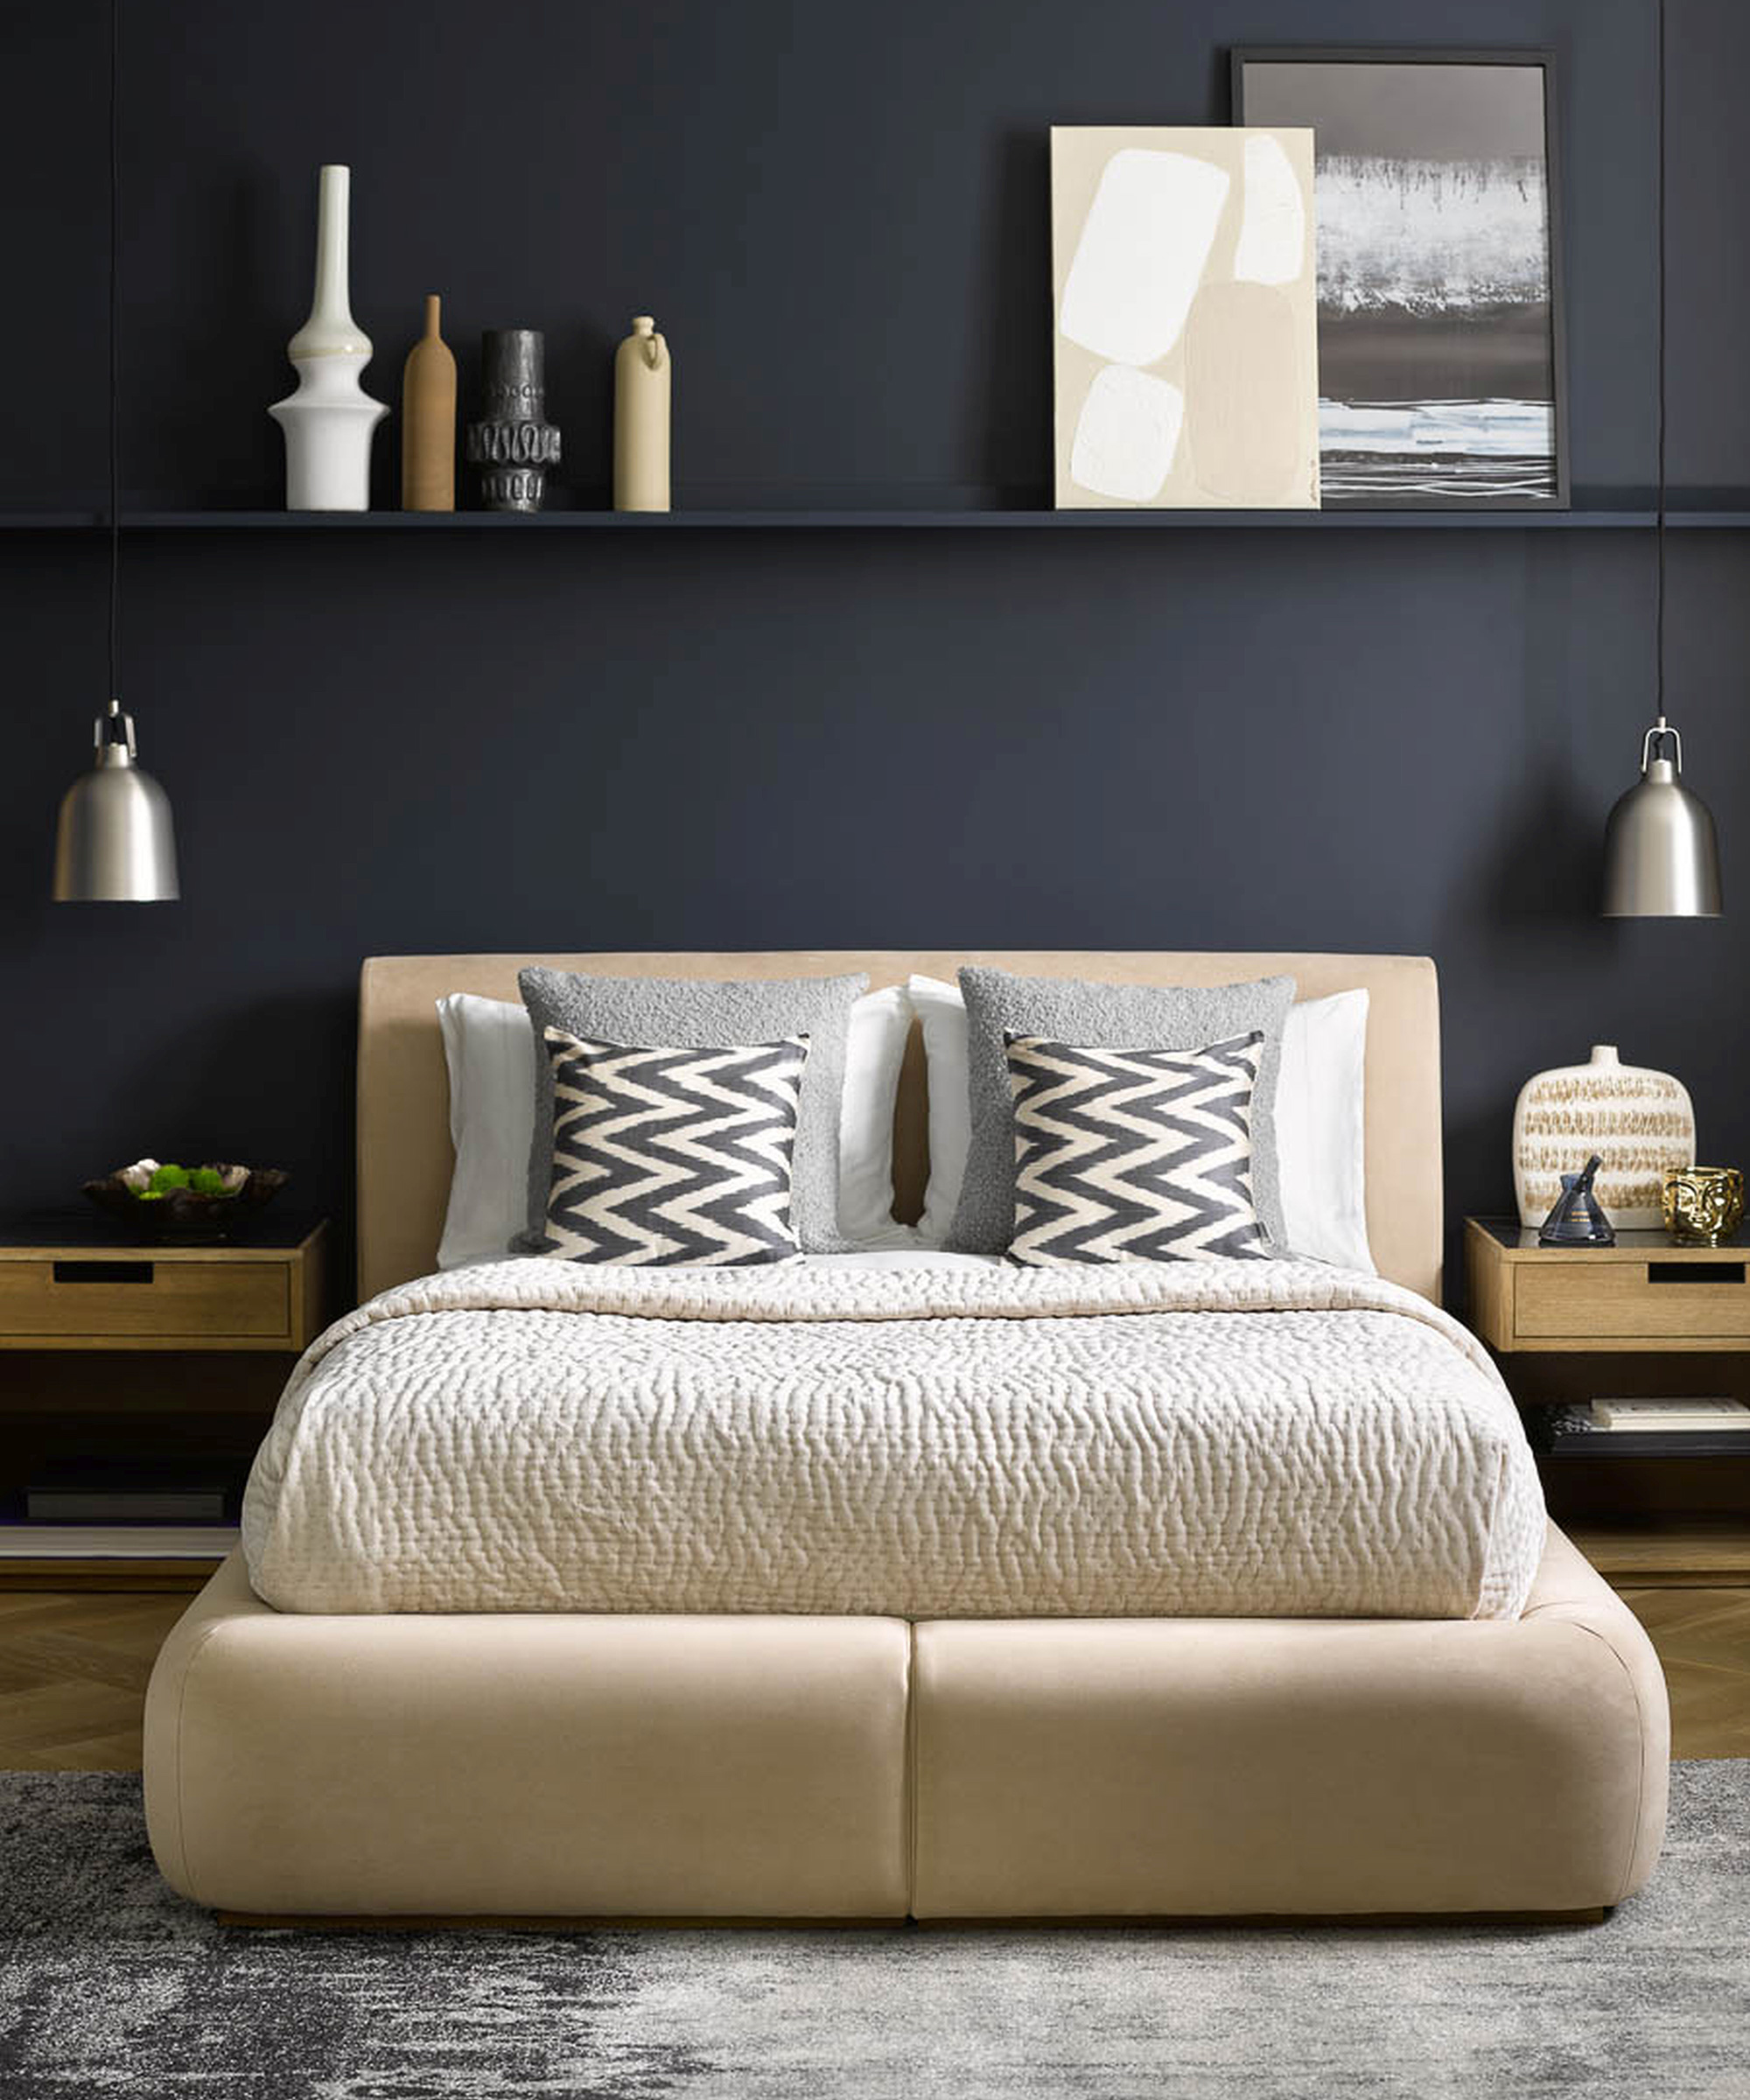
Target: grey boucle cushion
(1101,1016)
(694,1014)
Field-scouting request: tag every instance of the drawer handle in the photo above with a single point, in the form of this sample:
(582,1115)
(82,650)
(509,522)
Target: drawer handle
(1695,1272)
(104,1272)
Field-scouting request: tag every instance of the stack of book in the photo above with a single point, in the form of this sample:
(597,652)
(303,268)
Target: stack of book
(1652,1428)
(128,1491)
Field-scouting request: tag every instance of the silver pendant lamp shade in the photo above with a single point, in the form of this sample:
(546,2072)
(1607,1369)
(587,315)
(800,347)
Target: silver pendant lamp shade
(1660,856)
(115,842)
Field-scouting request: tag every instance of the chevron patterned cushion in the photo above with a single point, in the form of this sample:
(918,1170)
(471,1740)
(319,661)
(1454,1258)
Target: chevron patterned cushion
(705,1012)
(1070,1009)
(1133,1155)
(672,1159)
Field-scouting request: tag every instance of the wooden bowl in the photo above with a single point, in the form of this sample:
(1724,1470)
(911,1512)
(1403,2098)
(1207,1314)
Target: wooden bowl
(183,1214)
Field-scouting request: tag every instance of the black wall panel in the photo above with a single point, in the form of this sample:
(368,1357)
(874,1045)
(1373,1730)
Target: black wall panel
(1392,739)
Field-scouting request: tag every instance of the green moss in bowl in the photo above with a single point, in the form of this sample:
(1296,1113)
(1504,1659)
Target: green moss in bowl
(163,1201)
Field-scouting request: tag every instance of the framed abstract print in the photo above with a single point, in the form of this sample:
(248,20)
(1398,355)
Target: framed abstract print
(1438,238)
(1185,343)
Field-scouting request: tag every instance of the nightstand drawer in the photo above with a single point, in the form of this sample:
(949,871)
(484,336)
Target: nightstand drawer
(1662,1299)
(116,1295)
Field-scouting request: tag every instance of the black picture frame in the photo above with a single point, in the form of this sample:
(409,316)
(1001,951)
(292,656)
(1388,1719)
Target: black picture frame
(1544,60)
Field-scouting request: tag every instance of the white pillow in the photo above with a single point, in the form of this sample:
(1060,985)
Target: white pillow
(873,1052)
(1320,1138)
(1320,1091)
(941,1012)
(492,1120)
(491,1125)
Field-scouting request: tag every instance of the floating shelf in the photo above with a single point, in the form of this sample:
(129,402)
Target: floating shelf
(944,519)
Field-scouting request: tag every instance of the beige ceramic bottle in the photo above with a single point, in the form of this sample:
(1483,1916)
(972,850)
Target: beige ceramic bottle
(643,376)
(428,420)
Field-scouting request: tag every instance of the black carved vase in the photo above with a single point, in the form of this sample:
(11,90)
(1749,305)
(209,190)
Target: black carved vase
(513,443)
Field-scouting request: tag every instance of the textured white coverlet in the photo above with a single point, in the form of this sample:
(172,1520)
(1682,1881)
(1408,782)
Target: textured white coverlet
(1212,1438)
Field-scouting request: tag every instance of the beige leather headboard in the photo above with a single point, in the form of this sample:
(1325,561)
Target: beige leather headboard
(404,1155)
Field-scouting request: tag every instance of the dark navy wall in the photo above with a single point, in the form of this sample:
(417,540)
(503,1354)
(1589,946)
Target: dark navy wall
(1393,739)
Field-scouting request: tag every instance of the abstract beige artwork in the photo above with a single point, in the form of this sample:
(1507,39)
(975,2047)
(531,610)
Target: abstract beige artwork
(1185,347)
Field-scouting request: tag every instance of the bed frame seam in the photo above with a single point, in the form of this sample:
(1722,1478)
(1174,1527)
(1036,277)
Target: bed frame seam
(911,1773)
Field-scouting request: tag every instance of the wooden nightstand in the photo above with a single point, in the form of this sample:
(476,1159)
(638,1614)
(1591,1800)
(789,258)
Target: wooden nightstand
(80,1288)
(1642,1318)
(130,1362)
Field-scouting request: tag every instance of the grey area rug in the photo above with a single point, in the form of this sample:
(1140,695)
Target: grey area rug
(112,1987)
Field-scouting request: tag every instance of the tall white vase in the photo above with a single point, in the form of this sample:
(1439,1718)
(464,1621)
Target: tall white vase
(329,422)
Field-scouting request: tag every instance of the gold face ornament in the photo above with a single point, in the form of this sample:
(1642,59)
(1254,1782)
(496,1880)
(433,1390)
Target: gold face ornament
(1703,1205)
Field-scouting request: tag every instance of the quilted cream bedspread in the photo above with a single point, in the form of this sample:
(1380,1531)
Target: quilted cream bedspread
(1206,1438)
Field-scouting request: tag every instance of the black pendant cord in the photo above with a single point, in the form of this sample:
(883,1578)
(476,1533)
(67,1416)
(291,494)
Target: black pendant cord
(115,349)
(1659,527)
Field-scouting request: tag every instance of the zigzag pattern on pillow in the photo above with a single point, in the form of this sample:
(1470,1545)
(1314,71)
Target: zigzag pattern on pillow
(1133,1155)
(672,1159)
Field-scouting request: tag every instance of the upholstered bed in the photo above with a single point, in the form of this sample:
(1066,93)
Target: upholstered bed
(860,1592)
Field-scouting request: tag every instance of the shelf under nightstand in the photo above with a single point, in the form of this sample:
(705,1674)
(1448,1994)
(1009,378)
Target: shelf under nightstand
(1673,1553)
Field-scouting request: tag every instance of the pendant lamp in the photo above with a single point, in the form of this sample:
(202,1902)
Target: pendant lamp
(115,842)
(1660,856)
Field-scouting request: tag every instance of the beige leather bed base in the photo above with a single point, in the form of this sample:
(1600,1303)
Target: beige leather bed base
(572,1766)
(757,1767)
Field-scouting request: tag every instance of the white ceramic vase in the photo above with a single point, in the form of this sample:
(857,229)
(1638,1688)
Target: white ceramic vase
(1640,1122)
(329,422)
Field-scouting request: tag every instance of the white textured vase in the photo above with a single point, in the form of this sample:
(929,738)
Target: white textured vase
(329,422)
(1640,1122)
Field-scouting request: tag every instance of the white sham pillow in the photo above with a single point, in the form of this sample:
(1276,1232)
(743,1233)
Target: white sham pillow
(873,1052)
(491,1125)
(1320,1094)
(492,1122)
(1320,1133)
(941,1014)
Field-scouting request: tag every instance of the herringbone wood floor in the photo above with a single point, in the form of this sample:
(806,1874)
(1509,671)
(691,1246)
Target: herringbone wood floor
(72,1676)
(1703,1637)
(73,1669)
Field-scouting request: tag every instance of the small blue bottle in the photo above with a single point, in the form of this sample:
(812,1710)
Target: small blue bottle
(1577,1220)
